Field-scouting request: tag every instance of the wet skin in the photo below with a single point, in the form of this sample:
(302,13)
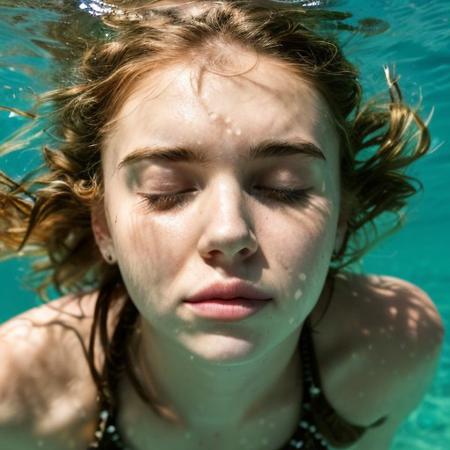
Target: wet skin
(227,222)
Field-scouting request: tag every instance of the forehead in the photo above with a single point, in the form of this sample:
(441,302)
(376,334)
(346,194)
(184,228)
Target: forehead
(187,103)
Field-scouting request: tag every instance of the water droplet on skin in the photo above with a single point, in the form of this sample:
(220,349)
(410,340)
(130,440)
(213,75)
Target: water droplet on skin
(302,276)
(213,116)
(229,131)
(298,294)
(237,132)
(227,120)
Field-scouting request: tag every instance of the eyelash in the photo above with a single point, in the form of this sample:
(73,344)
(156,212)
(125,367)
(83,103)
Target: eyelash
(178,199)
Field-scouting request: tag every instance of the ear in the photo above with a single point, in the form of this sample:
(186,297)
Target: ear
(340,235)
(342,225)
(102,233)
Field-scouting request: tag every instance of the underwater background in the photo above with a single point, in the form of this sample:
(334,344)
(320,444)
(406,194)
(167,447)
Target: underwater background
(413,36)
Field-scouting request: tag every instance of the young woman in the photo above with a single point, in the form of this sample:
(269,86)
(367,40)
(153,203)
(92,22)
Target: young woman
(207,194)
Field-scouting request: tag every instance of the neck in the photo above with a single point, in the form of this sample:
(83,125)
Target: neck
(198,393)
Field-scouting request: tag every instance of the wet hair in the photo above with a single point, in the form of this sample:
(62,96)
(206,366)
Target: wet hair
(47,213)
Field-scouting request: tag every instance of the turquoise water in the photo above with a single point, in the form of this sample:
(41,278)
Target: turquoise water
(417,41)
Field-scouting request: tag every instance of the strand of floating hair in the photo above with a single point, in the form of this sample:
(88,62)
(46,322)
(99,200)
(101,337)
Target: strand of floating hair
(392,80)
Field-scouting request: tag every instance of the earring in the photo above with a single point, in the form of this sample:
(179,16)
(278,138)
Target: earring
(109,258)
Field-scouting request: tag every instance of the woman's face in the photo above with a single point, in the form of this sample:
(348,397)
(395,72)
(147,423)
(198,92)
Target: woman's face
(227,223)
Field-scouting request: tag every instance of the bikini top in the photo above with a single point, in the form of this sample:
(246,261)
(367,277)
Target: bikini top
(319,427)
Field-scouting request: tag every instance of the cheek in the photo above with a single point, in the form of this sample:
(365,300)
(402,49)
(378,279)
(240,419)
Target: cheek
(150,252)
(301,250)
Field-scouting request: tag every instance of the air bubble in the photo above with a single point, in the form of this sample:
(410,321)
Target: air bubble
(298,294)
(302,276)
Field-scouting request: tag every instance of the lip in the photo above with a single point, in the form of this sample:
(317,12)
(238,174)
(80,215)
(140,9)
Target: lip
(233,289)
(232,300)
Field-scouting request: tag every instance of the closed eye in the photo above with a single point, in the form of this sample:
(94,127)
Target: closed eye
(165,201)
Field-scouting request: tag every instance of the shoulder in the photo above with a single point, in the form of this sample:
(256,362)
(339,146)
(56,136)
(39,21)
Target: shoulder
(45,384)
(376,311)
(391,338)
(390,309)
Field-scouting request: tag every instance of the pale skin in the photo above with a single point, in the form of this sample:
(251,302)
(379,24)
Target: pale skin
(227,226)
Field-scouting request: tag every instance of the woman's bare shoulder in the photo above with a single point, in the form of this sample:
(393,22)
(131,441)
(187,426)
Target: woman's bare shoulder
(387,340)
(393,308)
(45,383)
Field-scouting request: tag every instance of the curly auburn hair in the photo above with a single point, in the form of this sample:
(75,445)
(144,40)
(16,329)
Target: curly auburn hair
(48,213)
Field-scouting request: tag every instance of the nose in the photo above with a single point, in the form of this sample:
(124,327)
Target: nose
(228,229)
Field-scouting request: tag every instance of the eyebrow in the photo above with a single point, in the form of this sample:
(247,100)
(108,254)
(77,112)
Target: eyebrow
(266,149)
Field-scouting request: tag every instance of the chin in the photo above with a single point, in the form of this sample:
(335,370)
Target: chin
(222,348)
